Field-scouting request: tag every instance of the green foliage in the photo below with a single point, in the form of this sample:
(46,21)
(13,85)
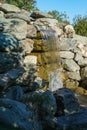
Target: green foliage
(61,17)
(23,4)
(80,25)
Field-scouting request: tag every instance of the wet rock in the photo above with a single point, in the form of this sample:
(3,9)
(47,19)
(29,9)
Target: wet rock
(55,80)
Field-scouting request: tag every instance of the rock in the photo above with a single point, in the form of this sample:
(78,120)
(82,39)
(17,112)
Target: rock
(30,60)
(46,103)
(68,100)
(19,16)
(74,75)
(39,14)
(10,61)
(66,44)
(80,60)
(7,8)
(74,121)
(80,39)
(55,80)
(84,73)
(15,93)
(66,54)
(8,43)
(27,45)
(71,65)
(1,14)
(17,115)
(31,31)
(47,22)
(69,30)
(10,77)
(83,49)
(15,27)
(49,57)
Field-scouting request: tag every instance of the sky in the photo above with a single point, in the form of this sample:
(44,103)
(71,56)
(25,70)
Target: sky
(71,7)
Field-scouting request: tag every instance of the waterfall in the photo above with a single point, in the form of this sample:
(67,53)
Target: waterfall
(52,65)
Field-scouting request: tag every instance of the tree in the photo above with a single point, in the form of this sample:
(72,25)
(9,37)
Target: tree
(23,4)
(80,24)
(61,17)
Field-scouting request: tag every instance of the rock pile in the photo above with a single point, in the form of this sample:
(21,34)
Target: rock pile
(28,42)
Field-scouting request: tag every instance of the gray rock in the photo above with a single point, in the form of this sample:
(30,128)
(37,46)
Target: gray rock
(55,80)
(16,27)
(10,77)
(66,54)
(71,65)
(17,115)
(84,73)
(10,61)
(8,43)
(74,75)
(27,45)
(39,14)
(19,16)
(47,22)
(7,8)
(66,44)
(31,31)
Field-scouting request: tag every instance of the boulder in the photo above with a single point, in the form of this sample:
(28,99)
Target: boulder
(8,43)
(16,27)
(66,44)
(31,31)
(74,75)
(9,78)
(7,8)
(17,115)
(71,65)
(39,14)
(19,16)
(66,54)
(47,22)
(27,45)
(9,61)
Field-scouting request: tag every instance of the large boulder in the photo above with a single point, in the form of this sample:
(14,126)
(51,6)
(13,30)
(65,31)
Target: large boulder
(9,43)
(17,115)
(16,27)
